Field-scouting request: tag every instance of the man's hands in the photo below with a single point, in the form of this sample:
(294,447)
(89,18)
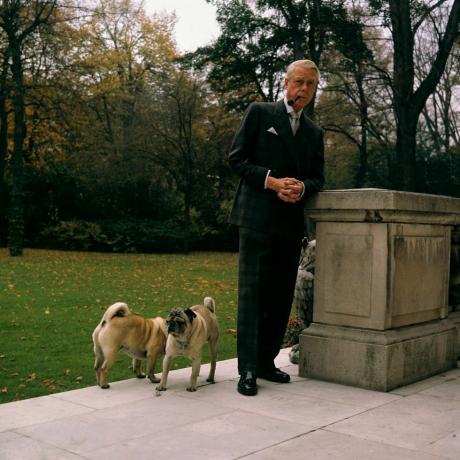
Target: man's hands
(287,189)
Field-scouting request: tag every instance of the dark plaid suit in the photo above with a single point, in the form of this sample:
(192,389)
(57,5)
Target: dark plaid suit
(270,229)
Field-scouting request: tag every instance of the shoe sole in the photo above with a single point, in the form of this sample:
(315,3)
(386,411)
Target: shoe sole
(274,381)
(246,392)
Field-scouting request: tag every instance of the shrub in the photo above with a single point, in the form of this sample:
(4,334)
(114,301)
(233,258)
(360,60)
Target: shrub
(113,236)
(73,235)
(293,330)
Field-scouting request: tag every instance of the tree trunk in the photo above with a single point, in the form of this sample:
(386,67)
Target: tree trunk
(3,120)
(3,151)
(408,102)
(361,174)
(403,71)
(188,178)
(187,223)
(298,43)
(16,212)
(406,164)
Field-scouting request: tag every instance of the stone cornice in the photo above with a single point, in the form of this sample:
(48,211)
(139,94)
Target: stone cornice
(381,205)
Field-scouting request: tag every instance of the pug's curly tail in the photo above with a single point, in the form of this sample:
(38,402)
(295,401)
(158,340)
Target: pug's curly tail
(209,303)
(117,309)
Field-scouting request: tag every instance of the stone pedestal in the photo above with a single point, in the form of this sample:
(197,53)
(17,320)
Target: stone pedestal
(381,288)
(454,289)
(454,318)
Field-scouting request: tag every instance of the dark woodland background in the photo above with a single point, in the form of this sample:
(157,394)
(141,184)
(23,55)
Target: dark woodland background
(111,140)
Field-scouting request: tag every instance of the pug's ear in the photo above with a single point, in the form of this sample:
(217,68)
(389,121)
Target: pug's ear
(190,313)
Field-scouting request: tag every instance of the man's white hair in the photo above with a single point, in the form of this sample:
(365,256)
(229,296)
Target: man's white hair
(305,63)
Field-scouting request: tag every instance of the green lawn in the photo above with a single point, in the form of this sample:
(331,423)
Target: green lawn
(51,301)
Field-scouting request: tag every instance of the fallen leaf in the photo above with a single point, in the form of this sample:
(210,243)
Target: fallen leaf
(4,390)
(78,378)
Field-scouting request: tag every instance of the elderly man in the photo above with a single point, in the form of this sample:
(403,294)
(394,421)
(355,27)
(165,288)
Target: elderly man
(278,154)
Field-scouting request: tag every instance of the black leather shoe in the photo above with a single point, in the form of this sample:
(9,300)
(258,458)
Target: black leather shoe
(275,375)
(247,384)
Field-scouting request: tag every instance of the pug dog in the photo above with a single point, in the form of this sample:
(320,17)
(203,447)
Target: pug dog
(188,331)
(121,330)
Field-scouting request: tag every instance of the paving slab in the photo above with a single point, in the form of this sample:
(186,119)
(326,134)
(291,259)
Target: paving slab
(272,402)
(448,447)
(342,394)
(37,410)
(125,391)
(303,419)
(325,445)
(448,389)
(84,433)
(430,382)
(413,422)
(13,446)
(228,436)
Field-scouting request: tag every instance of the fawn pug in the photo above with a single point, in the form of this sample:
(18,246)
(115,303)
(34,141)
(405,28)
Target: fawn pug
(188,330)
(121,330)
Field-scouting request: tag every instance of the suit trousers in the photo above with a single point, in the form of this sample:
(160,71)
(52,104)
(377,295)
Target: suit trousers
(266,280)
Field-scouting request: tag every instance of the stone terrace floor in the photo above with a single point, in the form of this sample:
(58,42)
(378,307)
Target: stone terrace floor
(305,419)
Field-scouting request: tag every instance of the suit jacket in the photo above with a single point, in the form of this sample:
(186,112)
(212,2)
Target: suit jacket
(263,142)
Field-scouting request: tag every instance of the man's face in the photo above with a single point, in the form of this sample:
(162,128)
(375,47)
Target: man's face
(301,86)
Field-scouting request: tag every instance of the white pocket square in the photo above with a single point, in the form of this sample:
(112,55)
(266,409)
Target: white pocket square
(272,130)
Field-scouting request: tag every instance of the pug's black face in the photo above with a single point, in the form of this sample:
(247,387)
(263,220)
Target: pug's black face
(178,320)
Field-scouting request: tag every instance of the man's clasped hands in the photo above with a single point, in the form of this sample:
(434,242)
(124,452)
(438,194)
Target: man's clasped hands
(287,189)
